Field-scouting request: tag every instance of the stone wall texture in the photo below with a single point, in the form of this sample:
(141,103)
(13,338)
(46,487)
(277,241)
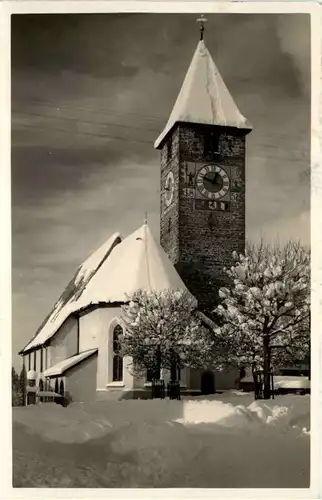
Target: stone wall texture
(200,242)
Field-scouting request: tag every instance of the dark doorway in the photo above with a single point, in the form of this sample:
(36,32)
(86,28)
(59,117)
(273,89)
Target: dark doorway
(207,383)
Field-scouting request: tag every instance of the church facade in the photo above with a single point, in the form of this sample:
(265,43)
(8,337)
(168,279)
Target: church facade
(202,222)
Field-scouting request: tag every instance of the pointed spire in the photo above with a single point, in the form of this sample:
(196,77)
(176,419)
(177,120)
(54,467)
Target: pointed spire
(204,97)
(201,20)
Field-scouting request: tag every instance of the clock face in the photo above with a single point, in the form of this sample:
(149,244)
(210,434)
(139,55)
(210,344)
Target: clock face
(213,182)
(169,189)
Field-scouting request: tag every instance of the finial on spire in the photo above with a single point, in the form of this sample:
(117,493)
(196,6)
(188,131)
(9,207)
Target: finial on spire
(201,20)
(146,219)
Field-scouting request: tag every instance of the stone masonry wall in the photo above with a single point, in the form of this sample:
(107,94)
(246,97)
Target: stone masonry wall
(199,249)
(205,249)
(169,220)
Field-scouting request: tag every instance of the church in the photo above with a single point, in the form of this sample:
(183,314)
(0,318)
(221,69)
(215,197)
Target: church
(202,221)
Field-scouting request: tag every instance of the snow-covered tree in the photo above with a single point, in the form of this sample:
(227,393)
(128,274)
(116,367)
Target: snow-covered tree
(266,308)
(161,330)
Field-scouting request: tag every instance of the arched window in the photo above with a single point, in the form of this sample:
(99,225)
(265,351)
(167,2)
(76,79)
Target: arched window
(117,358)
(61,388)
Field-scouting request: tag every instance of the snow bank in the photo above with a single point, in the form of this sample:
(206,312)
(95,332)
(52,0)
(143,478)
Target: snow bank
(217,412)
(233,442)
(80,422)
(285,382)
(291,382)
(287,411)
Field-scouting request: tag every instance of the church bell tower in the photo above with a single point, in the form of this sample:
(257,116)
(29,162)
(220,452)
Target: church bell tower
(203,179)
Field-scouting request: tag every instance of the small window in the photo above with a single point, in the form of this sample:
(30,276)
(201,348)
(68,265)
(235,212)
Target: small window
(117,368)
(117,359)
(212,145)
(29,361)
(169,148)
(169,226)
(116,339)
(35,358)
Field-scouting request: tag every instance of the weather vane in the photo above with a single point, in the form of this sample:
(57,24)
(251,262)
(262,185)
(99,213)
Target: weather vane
(146,218)
(201,20)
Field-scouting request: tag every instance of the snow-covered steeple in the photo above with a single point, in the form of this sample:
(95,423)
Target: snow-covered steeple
(204,97)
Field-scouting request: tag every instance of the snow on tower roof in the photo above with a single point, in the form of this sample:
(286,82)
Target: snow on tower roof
(204,97)
(135,263)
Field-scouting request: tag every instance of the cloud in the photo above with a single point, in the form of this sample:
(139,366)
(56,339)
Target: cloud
(284,229)
(295,42)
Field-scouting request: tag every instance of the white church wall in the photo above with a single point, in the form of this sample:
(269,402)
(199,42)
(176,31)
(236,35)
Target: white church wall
(91,326)
(46,358)
(64,343)
(36,360)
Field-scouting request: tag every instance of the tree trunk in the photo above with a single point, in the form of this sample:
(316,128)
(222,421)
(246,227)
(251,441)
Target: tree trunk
(158,360)
(255,380)
(173,369)
(267,368)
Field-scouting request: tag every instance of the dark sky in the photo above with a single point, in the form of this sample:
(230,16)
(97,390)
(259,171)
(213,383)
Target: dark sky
(90,94)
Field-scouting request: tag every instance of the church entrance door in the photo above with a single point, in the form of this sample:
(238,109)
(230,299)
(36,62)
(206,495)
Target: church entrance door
(207,383)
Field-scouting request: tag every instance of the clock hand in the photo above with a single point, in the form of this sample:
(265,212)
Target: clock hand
(212,180)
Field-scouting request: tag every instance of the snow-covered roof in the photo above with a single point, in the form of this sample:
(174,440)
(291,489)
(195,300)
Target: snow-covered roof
(68,363)
(204,97)
(138,263)
(68,301)
(125,266)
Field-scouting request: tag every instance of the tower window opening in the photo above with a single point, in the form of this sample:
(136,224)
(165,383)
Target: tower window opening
(212,145)
(169,225)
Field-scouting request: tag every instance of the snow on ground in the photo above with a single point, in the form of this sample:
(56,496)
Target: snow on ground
(285,381)
(283,411)
(226,440)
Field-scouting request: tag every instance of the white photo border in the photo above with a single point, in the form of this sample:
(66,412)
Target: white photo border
(110,6)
